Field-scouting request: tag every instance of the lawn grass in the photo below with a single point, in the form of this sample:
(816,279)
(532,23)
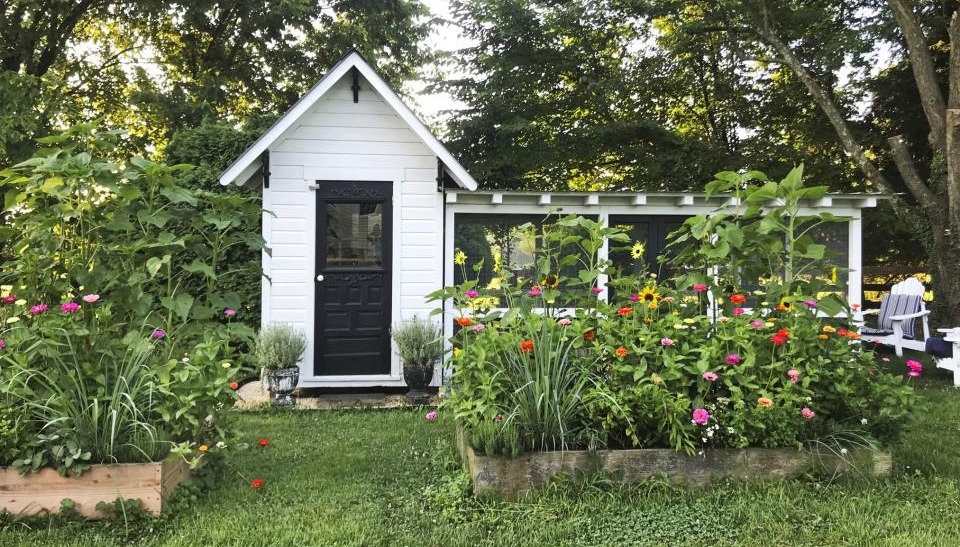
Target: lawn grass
(370,478)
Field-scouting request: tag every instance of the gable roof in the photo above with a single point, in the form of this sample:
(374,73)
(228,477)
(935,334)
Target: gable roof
(248,162)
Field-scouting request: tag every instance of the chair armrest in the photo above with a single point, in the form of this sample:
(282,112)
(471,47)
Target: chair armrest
(909,315)
(874,311)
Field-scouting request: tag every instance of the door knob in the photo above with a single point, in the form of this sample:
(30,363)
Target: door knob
(320,277)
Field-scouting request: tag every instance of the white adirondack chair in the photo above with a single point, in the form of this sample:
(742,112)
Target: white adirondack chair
(897,317)
(946,352)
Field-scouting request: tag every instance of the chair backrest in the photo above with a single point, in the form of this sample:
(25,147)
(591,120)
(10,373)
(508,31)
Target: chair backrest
(905,297)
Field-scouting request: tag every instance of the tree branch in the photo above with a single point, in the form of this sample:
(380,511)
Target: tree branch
(952,122)
(923,72)
(906,166)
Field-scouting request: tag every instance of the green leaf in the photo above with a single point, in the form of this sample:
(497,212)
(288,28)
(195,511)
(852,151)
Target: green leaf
(179,304)
(155,218)
(198,266)
(177,194)
(154,264)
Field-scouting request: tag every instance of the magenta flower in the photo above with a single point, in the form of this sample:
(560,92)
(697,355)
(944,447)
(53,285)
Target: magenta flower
(666,342)
(38,309)
(733,359)
(915,368)
(158,334)
(564,322)
(90,298)
(634,297)
(2,343)
(756,323)
(69,307)
(535,291)
(701,416)
(700,287)
(810,303)
(793,374)
(9,299)
(807,413)
(431,416)
(739,311)
(229,312)
(472,293)
(597,290)
(498,418)
(710,376)
(479,327)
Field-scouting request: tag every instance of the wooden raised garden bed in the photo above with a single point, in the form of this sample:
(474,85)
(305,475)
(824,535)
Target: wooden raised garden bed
(33,493)
(511,478)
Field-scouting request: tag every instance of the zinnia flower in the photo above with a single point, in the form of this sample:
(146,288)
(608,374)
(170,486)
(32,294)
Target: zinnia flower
(498,417)
(90,298)
(9,299)
(634,297)
(733,359)
(915,368)
(666,342)
(479,327)
(589,335)
(472,293)
(263,442)
(855,307)
(701,416)
(158,334)
(765,402)
(624,311)
(431,416)
(69,307)
(597,290)
(564,322)
(738,311)
(2,343)
(535,291)
(710,376)
(463,321)
(229,312)
(793,374)
(700,287)
(621,352)
(526,346)
(756,323)
(234,386)
(828,328)
(778,340)
(203,448)
(737,299)
(256,483)
(38,309)
(810,303)
(807,413)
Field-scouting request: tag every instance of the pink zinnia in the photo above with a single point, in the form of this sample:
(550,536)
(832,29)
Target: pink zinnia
(810,303)
(807,413)
(564,322)
(700,287)
(535,291)
(701,416)
(793,374)
(738,311)
(710,376)
(229,312)
(90,298)
(756,323)
(733,359)
(38,309)
(9,299)
(472,293)
(597,290)
(431,416)
(634,297)
(2,343)
(666,342)
(69,307)
(915,368)
(479,327)
(158,334)
(855,307)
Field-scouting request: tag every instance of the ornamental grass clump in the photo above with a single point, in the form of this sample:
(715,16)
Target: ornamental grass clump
(279,346)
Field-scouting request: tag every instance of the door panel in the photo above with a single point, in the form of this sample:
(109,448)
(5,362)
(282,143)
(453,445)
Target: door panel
(354,242)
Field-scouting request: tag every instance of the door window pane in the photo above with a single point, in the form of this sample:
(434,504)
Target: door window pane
(354,235)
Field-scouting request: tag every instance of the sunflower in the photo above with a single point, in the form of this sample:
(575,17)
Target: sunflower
(551,281)
(785,304)
(649,295)
(459,258)
(637,251)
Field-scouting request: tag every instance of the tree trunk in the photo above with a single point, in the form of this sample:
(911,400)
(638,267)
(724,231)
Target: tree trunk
(944,266)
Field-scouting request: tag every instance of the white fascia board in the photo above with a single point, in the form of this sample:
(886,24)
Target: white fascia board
(242,164)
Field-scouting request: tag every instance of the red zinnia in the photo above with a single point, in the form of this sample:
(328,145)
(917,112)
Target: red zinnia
(784,333)
(624,311)
(621,352)
(234,386)
(738,299)
(464,321)
(526,346)
(589,335)
(256,483)
(263,442)
(778,339)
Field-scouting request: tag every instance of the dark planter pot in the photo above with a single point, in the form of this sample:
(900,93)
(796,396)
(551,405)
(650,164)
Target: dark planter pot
(280,383)
(417,378)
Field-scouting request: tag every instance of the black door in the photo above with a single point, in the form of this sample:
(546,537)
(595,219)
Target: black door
(352,324)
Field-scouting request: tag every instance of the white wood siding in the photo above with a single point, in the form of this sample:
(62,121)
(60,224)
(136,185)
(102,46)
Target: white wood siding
(342,140)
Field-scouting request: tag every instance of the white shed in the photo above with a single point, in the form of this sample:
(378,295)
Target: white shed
(361,226)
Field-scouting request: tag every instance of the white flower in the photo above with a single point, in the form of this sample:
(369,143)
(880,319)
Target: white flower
(226,364)
(185,360)
(221,445)
(863,421)
(843,450)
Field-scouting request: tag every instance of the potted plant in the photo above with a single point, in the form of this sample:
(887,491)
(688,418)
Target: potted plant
(278,349)
(419,344)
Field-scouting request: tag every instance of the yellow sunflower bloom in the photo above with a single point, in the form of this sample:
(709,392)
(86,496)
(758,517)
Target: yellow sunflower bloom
(650,296)
(638,250)
(459,258)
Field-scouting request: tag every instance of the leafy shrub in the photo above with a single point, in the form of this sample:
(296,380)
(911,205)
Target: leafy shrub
(418,341)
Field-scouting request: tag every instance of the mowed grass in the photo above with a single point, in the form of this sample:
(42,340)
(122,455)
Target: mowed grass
(392,478)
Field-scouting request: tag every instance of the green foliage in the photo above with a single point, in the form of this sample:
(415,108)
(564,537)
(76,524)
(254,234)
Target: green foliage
(418,341)
(279,346)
